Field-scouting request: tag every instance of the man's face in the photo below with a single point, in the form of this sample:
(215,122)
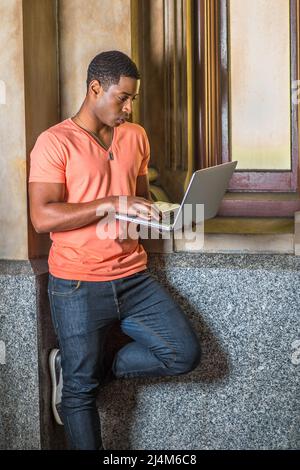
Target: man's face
(114,106)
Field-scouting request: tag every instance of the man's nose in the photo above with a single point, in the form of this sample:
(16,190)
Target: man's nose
(128,106)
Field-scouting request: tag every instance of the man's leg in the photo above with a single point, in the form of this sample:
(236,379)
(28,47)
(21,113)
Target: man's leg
(82,314)
(164,341)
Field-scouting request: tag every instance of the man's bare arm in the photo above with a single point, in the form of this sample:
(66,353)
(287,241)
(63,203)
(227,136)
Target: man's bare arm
(142,187)
(50,213)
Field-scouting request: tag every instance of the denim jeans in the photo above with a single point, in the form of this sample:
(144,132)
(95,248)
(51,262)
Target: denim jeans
(164,343)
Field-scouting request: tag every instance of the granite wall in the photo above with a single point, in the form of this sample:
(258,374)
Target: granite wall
(27,336)
(245,393)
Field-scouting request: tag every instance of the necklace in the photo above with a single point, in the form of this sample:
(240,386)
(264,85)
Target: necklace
(110,154)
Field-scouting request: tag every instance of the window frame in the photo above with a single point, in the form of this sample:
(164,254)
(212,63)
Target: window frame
(258,180)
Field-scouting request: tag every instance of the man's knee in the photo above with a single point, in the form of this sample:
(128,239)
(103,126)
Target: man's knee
(80,390)
(188,360)
(193,358)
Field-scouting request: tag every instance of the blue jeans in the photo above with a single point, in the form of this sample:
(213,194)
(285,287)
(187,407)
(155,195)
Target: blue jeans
(82,313)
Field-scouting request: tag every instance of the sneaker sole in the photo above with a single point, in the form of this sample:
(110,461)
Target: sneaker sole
(54,386)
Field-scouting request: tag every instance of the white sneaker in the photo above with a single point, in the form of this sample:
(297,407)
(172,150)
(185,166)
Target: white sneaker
(57,383)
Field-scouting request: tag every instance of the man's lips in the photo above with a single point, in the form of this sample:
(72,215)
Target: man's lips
(120,120)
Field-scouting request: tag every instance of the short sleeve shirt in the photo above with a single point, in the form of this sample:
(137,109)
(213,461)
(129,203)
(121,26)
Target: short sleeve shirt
(66,153)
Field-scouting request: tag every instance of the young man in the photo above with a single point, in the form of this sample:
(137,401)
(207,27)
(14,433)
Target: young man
(79,167)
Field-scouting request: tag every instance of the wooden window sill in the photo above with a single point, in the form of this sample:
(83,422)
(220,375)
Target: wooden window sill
(247,204)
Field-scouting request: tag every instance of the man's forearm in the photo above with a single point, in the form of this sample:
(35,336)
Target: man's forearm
(63,216)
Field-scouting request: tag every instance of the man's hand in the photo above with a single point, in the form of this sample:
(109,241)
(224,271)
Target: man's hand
(138,207)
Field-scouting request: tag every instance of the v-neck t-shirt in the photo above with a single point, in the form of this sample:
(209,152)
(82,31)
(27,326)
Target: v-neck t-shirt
(66,153)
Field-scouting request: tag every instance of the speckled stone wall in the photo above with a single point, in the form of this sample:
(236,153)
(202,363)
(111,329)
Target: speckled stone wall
(19,382)
(26,337)
(245,393)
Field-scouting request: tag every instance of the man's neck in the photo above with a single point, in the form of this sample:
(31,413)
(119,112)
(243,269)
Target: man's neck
(85,119)
(91,122)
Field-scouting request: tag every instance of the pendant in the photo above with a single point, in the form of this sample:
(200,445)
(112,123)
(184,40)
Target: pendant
(110,156)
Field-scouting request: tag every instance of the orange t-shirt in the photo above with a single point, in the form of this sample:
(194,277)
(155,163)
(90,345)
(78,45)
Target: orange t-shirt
(67,154)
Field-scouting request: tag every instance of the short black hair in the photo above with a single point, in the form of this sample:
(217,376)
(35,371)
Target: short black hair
(108,67)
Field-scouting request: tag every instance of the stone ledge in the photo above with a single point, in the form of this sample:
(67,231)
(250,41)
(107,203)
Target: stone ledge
(23,268)
(226,243)
(265,262)
(235,235)
(239,243)
(250,225)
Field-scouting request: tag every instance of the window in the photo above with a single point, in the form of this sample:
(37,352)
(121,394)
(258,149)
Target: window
(261,67)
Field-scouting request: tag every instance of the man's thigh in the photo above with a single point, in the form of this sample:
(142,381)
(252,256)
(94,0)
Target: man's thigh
(82,313)
(151,316)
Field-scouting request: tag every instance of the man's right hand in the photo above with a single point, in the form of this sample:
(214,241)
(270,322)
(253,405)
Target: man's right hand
(137,207)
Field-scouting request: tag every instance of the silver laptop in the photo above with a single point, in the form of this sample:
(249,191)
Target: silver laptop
(206,187)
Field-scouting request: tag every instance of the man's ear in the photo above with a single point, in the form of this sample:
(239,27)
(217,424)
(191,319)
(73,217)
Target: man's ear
(95,89)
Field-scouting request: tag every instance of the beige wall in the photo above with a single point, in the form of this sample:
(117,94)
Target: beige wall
(13,205)
(87,28)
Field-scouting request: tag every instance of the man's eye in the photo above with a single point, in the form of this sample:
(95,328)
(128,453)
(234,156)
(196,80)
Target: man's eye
(125,98)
